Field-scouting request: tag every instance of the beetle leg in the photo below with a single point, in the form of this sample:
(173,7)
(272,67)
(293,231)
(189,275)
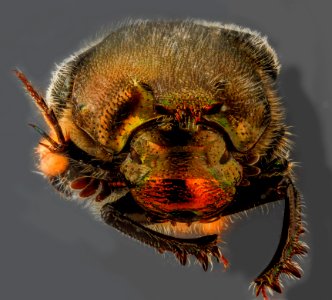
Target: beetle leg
(203,248)
(289,244)
(266,190)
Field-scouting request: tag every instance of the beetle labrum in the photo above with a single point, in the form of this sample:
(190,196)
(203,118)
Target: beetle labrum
(167,128)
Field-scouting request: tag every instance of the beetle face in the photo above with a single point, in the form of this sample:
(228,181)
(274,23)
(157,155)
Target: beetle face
(173,124)
(181,174)
(179,110)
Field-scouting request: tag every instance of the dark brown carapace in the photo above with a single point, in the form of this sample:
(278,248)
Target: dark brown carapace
(165,129)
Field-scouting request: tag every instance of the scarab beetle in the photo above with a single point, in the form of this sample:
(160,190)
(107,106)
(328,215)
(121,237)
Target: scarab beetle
(166,128)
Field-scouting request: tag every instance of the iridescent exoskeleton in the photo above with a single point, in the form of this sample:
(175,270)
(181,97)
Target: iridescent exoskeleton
(167,128)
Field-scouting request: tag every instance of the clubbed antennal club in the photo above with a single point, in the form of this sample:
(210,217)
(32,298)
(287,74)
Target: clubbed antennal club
(47,113)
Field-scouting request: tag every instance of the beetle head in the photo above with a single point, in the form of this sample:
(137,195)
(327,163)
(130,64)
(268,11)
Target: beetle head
(174,106)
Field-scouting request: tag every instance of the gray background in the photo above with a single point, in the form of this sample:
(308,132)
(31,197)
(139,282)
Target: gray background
(53,249)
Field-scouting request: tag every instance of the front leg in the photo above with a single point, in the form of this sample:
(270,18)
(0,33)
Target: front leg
(270,187)
(203,248)
(289,244)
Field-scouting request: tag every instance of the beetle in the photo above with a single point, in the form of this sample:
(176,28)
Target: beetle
(165,129)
